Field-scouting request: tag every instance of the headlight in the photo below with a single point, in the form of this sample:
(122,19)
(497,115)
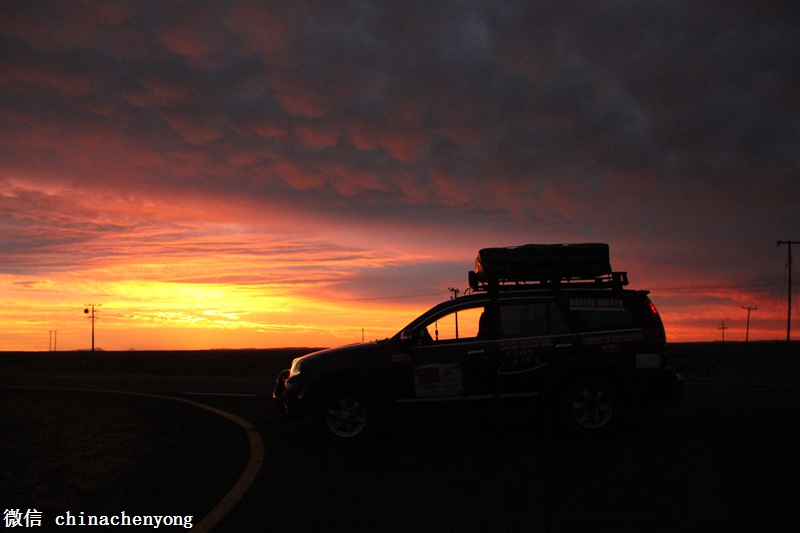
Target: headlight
(295,368)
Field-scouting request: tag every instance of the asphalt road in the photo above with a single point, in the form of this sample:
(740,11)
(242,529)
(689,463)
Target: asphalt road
(727,460)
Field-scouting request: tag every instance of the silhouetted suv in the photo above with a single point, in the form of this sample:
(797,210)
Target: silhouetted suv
(543,325)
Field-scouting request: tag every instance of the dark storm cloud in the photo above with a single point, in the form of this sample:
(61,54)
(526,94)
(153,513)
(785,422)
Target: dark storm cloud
(571,120)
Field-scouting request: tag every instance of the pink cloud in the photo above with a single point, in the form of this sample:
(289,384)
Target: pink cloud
(318,135)
(197,134)
(191,42)
(296,100)
(262,27)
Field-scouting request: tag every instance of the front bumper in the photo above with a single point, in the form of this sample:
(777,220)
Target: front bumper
(279,394)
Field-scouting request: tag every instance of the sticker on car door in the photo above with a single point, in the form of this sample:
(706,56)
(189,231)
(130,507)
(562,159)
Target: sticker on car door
(438,380)
(521,356)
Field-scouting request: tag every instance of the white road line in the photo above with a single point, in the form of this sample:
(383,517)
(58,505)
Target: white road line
(245,479)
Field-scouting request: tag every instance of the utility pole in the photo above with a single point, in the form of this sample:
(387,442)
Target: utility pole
(53,345)
(92,316)
(723,328)
(747,331)
(789,318)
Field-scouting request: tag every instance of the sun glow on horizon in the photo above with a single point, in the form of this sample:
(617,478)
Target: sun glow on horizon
(184,280)
(188,315)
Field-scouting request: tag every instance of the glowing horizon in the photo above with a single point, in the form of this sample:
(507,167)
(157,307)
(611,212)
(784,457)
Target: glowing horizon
(244,296)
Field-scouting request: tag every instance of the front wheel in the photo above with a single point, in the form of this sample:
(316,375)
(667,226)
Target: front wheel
(590,407)
(345,416)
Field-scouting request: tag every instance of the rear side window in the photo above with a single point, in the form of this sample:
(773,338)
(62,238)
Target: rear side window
(531,320)
(603,313)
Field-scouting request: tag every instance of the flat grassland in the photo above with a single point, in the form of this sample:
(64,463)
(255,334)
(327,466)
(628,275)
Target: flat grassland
(230,363)
(739,361)
(759,360)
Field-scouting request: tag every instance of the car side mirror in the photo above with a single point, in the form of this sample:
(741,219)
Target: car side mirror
(417,338)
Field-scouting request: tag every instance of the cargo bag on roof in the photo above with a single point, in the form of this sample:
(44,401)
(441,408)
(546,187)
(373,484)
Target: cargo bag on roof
(537,262)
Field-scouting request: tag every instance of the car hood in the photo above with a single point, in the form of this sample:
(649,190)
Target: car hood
(349,352)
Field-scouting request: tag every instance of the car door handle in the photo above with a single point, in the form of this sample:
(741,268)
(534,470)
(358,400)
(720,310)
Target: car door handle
(476,352)
(562,346)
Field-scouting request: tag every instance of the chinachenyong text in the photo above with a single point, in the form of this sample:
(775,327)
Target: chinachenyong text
(33,518)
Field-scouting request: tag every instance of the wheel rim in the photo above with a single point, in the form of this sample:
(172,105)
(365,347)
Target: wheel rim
(592,407)
(346,416)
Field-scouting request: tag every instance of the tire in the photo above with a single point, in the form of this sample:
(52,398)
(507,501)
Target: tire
(590,407)
(345,416)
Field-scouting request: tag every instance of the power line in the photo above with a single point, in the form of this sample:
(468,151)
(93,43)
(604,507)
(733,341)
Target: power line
(769,287)
(398,297)
(789,319)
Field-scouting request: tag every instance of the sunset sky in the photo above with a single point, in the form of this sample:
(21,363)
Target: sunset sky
(266,174)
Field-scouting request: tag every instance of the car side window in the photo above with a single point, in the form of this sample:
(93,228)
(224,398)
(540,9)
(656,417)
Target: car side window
(531,320)
(458,325)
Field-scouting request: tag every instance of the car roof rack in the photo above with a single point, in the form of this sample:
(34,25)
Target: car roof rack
(539,266)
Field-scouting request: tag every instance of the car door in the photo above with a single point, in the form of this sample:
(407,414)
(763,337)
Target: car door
(458,358)
(534,335)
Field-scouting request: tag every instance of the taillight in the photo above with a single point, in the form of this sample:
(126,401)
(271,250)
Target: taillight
(655,331)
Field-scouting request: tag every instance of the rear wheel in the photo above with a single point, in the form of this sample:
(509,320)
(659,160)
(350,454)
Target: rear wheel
(345,415)
(590,407)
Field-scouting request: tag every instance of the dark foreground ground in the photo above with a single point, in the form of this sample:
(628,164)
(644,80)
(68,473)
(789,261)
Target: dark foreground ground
(103,453)
(727,460)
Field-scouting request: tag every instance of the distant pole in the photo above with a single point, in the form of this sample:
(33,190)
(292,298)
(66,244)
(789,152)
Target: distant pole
(723,328)
(789,318)
(453,297)
(52,345)
(747,331)
(92,316)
